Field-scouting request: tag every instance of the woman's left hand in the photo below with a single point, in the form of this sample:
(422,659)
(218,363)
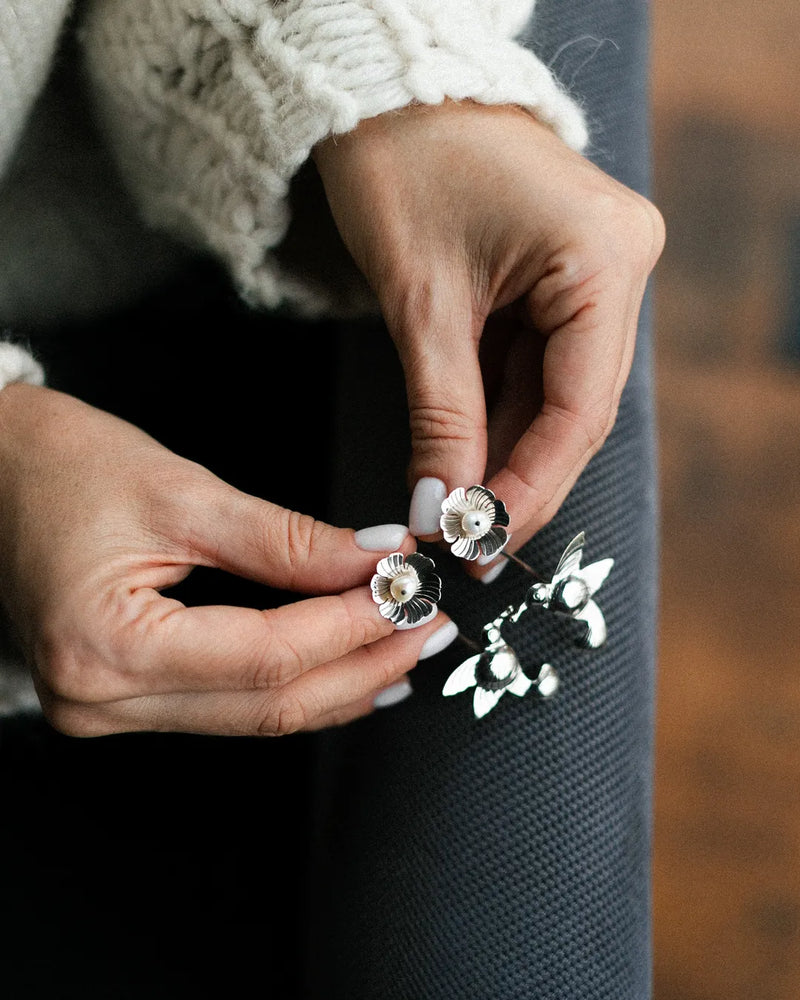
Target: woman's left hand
(510,272)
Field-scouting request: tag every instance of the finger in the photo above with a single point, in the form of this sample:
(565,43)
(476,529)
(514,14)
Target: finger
(585,366)
(259,540)
(398,691)
(334,690)
(438,349)
(171,648)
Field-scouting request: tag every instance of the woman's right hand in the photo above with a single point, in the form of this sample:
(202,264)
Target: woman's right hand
(96,518)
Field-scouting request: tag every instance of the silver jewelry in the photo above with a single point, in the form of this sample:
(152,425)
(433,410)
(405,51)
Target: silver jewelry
(571,591)
(407,589)
(497,670)
(474,522)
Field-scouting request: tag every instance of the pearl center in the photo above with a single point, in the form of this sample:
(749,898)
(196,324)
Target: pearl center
(475,523)
(404,586)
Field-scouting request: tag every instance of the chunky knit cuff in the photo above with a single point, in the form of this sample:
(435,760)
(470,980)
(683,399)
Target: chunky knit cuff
(213,105)
(29,31)
(17,365)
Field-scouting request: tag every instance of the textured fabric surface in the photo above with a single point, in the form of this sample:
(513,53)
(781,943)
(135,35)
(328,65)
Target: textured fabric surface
(507,857)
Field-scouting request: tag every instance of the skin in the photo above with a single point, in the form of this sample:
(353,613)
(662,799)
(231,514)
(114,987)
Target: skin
(96,518)
(510,272)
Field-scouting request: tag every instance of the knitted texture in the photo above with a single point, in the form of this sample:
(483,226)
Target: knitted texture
(213,106)
(16,365)
(28,33)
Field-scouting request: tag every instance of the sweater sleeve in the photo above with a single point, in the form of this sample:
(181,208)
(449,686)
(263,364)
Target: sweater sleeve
(213,106)
(29,32)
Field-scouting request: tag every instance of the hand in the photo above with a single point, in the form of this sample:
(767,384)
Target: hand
(96,518)
(510,272)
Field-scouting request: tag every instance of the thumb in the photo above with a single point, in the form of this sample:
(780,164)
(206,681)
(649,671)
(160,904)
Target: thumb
(447,412)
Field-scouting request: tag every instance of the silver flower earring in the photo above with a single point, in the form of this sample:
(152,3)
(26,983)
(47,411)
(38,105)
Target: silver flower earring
(474,523)
(497,670)
(407,589)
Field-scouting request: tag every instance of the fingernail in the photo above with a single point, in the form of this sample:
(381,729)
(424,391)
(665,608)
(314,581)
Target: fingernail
(381,537)
(426,506)
(392,695)
(495,571)
(440,640)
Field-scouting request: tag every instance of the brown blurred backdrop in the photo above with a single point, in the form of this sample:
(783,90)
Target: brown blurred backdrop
(726,86)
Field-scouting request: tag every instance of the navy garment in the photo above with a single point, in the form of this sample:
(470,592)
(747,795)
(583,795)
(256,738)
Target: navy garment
(507,857)
(418,854)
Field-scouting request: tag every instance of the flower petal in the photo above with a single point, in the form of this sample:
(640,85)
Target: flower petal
(392,610)
(456,502)
(520,685)
(479,498)
(391,565)
(466,548)
(501,514)
(493,541)
(406,624)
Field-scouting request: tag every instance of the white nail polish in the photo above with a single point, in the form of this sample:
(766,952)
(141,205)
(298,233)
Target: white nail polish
(440,640)
(426,506)
(495,571)
(392,695)
(381,537)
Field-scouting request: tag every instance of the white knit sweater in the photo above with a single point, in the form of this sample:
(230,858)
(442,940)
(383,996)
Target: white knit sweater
(211,107)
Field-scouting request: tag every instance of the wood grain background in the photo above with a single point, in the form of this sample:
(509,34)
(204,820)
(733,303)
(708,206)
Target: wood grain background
(726,80)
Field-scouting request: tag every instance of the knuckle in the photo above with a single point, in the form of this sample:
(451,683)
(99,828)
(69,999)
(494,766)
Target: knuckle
(71,672)
(432,422)
(592,425)
(298,539)
(645,231)
(279,663)
(596,427)
(625,224)
(284,716)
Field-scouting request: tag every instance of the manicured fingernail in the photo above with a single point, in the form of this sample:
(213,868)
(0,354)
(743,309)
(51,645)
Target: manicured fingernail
(392,695)
(440,640)
(495,571)
(381,538)
(426,506)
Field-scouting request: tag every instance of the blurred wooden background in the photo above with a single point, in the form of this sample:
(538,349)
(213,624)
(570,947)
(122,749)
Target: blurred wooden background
(726,103)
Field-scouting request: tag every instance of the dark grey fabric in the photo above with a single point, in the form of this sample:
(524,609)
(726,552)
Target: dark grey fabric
(508,857)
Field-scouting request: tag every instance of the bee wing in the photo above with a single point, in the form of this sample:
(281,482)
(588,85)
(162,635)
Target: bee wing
(594,575)
(462,677)
(484,701)
(570,560)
